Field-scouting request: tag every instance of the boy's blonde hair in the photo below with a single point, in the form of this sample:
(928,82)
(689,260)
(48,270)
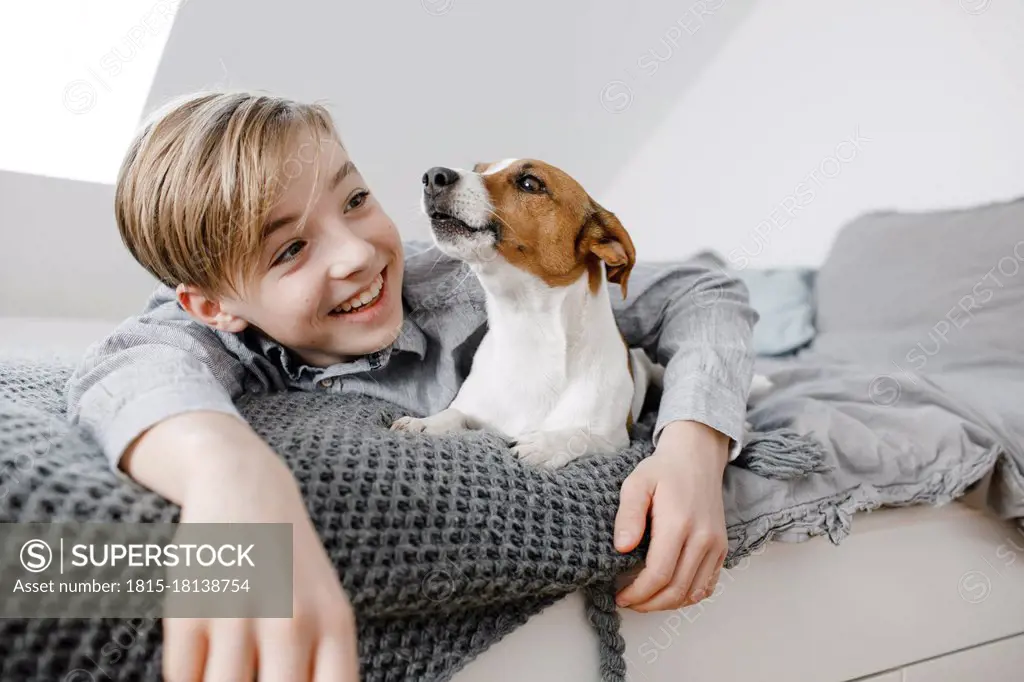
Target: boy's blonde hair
(201,177)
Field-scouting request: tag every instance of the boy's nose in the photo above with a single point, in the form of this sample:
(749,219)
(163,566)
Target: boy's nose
(354,256)
(438,178)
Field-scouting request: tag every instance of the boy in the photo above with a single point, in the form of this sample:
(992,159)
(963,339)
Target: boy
(279,270)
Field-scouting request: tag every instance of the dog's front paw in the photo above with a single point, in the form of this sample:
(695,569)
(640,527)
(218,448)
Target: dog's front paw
(446,421)
(551,449)
(410,424)
(534,448)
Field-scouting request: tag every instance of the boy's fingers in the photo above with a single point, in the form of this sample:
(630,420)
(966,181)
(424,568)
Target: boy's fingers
(232,652)
(662,558)
(285,655)
(631,518)
(336,661)
(674,594)
(705,578)
(185,646)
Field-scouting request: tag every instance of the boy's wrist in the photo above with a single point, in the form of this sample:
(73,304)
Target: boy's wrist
(686,438)
(193,449)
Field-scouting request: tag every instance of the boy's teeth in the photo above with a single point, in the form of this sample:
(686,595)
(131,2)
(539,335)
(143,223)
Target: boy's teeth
(364,297)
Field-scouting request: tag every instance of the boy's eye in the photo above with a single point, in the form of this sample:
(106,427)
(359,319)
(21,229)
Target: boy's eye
(293,250)
(357,200)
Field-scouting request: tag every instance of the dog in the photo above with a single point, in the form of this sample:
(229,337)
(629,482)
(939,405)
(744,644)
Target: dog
(552,374)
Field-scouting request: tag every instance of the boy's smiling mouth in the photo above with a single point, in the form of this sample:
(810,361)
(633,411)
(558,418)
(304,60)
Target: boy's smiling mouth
(364,300)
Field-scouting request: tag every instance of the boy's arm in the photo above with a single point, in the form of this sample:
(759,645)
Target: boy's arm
(218,469)
(697,322)
(153,366)
(157,394)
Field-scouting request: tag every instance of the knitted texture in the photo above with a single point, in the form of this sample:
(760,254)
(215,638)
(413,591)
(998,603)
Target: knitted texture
(443,544)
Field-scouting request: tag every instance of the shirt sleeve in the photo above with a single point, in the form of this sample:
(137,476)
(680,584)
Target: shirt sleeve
(696,322)
(151,367)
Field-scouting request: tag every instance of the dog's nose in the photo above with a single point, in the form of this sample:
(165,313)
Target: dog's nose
(437,178)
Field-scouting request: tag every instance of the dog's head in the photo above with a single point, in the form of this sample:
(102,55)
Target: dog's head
(531,214)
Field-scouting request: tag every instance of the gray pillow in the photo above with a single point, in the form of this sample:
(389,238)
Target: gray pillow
(927,281)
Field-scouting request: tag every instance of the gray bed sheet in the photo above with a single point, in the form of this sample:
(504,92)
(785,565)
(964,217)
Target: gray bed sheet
(895,435)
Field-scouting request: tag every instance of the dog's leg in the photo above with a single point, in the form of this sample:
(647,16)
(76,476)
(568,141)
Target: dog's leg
(449,420)
(646,373)
(557,448)
(760,386)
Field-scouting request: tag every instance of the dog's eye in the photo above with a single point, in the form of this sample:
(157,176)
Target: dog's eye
(530,183)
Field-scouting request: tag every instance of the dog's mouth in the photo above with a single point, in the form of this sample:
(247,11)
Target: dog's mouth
(440,218)
(451,229)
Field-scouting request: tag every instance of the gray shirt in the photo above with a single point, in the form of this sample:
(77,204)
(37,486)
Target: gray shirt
(695,321)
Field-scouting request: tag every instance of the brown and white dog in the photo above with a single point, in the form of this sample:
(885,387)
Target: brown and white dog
(552,373)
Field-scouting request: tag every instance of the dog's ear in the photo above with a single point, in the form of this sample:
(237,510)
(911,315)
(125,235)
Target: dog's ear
(481,166)
(605,237)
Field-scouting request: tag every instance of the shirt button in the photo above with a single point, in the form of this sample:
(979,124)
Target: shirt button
(326,383)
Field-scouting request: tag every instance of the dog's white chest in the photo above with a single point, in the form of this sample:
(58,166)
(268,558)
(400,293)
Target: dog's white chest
(551,360)
(516,384)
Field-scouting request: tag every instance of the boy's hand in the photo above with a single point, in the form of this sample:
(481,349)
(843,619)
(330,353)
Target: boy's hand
(680,484)
(317,644)
(220,471)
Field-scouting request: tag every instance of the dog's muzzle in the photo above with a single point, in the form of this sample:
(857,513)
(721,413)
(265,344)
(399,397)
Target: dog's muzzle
(457,205)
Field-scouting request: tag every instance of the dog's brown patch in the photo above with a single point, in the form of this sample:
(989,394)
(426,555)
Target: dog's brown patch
(557,232)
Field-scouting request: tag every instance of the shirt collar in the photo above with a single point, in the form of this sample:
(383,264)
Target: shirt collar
(411,339)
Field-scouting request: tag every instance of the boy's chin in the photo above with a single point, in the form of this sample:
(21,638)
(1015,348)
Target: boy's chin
(372,342)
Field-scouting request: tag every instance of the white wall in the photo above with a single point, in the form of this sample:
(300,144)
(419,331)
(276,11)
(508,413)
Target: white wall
(933,85)
(451,82)
(63,255)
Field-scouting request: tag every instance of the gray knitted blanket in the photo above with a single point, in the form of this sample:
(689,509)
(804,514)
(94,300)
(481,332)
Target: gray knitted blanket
(444,545)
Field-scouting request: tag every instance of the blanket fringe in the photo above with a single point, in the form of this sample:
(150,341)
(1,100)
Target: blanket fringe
(604,618)
(782,454)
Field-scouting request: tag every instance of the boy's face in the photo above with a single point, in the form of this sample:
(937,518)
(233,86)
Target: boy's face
(335,290)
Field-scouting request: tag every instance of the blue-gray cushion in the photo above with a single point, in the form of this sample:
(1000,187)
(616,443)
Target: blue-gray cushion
(784,300)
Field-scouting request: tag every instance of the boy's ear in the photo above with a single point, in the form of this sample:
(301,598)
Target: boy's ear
(208,310)
(606,238)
